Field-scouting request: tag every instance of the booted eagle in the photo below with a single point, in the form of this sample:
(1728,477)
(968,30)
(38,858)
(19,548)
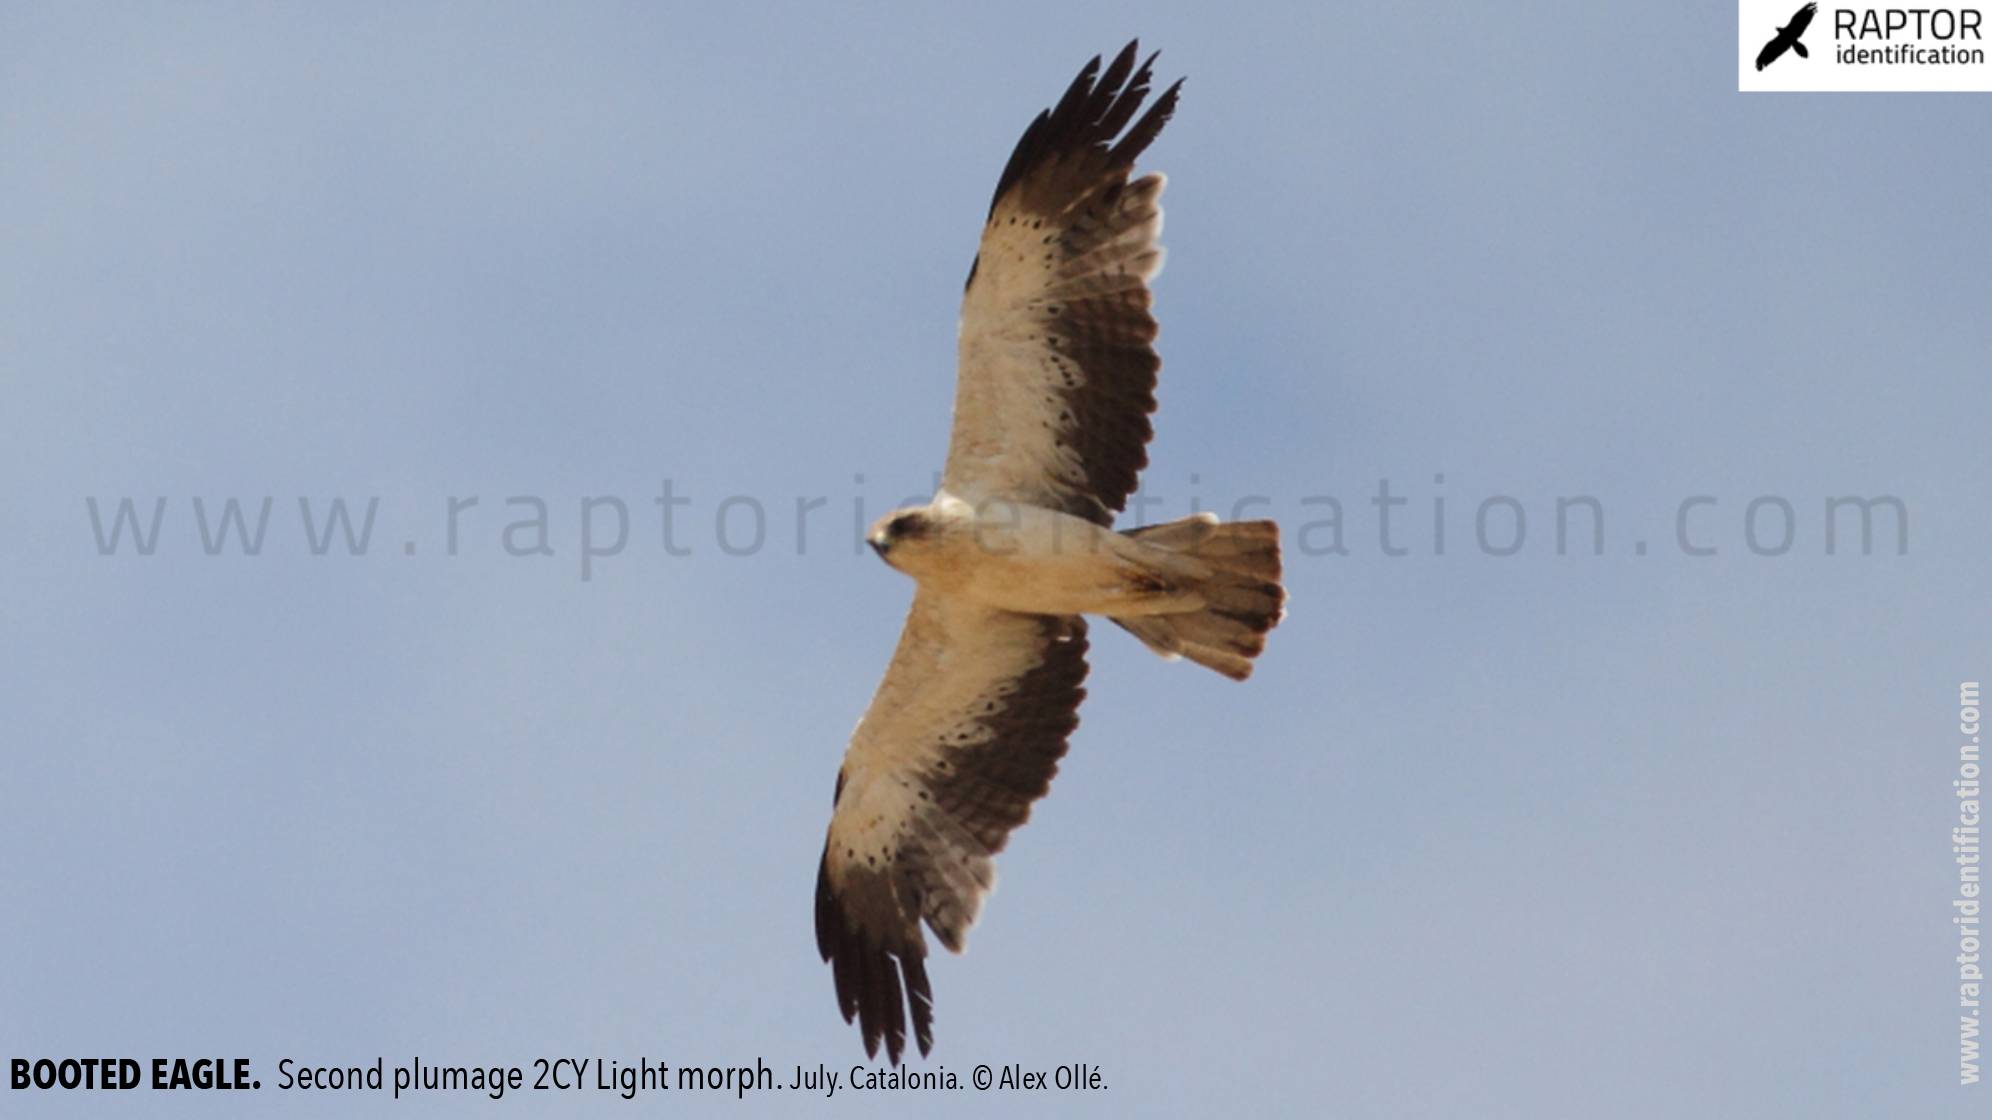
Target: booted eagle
(1055,385)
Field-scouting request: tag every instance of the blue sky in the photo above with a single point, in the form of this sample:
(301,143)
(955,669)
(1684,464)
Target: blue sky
(1639,834)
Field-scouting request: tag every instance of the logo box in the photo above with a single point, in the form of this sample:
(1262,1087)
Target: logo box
(1795,46)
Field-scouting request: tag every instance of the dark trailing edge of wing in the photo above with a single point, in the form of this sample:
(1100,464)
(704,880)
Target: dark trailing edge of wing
(988,788)
(869,932)
(1081,129)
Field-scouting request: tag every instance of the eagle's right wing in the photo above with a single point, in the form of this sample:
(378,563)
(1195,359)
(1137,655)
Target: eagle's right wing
(966,730)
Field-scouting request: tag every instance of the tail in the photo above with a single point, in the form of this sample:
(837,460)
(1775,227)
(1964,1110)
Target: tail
(1236,571)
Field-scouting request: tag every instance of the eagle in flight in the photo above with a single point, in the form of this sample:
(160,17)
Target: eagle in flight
(1787,37)
(1055,385)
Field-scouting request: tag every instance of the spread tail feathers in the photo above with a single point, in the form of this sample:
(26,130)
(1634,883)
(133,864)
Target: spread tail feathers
(1238,578)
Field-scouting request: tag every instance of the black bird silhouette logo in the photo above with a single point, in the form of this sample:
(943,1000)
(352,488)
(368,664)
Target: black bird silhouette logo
(1787,37)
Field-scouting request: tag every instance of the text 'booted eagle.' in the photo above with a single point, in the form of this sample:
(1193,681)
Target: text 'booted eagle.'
(1052,398)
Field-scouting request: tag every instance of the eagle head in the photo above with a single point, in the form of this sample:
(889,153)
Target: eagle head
(899,533)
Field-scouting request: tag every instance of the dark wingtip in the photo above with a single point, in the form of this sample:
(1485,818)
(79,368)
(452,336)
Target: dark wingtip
(867,978)
(1093,111)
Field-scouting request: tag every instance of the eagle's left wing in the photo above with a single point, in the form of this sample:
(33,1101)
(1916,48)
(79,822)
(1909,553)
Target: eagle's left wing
(966,730)
(1057,367)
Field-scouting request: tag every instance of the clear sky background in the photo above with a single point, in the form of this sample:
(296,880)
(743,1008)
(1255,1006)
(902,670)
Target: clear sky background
(1639,834)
